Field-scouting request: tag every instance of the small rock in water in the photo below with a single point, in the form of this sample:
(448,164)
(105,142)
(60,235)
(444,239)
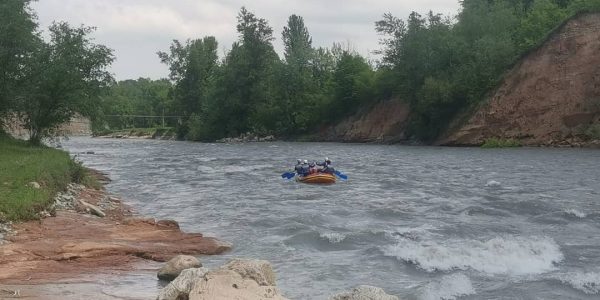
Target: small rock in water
(177,264)
(493,183)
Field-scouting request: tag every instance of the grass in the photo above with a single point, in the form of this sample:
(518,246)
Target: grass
(21,164)
(500,143)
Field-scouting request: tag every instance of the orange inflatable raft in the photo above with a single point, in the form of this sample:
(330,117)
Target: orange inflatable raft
(317,178)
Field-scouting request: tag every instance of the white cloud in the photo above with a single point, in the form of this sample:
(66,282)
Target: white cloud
(137,29)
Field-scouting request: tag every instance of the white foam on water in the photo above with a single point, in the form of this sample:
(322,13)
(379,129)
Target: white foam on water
(493,183)
(422,231)
(206,169)
(588,283)
(450,287)
(207,159)
(576,213)
(501,255)
(333,237)
(243,169)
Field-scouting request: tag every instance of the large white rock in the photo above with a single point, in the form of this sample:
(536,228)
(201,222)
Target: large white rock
(240,280)
(364,292)
(182,285)
(173,267)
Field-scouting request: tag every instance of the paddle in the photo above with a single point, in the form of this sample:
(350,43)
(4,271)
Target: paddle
(340,175)
(288,175)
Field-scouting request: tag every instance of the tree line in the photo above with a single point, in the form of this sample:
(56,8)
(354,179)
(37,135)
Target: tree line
(440,65)
(43,83)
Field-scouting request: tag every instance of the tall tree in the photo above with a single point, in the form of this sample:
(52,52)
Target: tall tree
(297,80)
(18,38)
(193,69)
(65,76)
(247,91)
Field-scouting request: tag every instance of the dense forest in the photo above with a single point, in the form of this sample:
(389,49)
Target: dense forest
(440,65)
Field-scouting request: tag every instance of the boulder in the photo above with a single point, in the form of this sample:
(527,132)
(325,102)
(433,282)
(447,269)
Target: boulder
(364,292)
(239,279)
(173,267)
(182,285)
(257,270)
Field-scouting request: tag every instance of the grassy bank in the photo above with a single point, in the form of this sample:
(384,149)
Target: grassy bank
(21,164)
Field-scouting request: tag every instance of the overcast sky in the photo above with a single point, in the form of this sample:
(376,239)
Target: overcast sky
(137,29)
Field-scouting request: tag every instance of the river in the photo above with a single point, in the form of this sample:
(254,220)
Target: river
(420,222)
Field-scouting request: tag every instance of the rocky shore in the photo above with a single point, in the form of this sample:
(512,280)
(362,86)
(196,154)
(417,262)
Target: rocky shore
(88,231)
(248,138)
(242,279)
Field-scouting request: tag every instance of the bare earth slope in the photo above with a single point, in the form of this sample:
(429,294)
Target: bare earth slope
(385,122)
(551,97)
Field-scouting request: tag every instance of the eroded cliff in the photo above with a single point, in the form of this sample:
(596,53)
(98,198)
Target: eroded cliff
(385,123)
(551,97)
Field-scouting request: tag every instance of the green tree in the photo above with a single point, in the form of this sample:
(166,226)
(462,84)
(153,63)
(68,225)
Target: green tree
(65,76)
(135,97)
(246,90)
(352,85)
(18,37)
(194,67)
(543,16)
(297,82)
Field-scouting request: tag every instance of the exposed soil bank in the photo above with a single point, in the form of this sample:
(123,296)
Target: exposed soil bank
(73,243)
(551,97)
(384,123)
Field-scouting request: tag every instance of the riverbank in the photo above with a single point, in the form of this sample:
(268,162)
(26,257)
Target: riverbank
(31,176)
(91,232)
(56,233)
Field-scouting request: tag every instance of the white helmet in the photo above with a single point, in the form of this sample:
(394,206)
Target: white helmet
(305,161)
(299,160)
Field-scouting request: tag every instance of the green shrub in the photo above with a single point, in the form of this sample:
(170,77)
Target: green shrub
(593,132)
(500,143)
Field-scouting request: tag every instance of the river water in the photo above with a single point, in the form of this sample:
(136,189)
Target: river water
(420,222)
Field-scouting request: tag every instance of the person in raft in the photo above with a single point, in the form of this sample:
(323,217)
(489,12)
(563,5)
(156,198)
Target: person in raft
(298,167)
(304,169)
(326,166)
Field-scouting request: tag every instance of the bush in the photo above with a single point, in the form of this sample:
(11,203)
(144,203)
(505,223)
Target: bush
(500,143)
(593,132)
